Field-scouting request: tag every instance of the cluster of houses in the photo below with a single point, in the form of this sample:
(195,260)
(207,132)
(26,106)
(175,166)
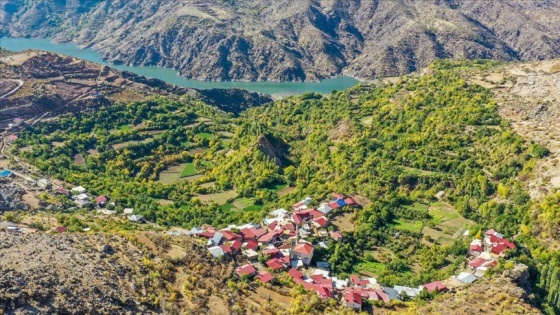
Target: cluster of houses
(280,244)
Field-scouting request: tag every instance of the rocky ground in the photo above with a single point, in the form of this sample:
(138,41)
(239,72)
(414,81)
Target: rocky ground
(11,197)
(292,40)
(68,274)
(528,96)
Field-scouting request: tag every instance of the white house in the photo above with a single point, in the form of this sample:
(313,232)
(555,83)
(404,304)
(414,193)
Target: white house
(79,190)
(44,183)
(128,211)
(303,251)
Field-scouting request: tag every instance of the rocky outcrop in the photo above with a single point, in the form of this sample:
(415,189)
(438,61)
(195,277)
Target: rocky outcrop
(292,40)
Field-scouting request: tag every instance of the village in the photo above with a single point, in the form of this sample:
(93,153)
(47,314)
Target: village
(282,243)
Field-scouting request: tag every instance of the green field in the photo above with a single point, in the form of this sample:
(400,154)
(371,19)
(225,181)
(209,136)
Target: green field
(408,225)
(371,267)
(188,170)
(253,208)
(124,127)
(205,135)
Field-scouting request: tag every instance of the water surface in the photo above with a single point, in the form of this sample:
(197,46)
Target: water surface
(170,75)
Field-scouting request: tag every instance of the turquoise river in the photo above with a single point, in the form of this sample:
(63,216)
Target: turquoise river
(171,76)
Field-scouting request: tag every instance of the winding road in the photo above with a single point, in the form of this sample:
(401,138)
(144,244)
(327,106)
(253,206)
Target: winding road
(20,84)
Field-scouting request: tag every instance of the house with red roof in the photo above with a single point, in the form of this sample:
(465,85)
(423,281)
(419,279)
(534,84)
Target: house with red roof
(275,264)
(496,243)
(296,274)
(435,286)
(246,270)
(272,252)
(336,236)
(304,252)
(265,276)
(252,244)
(101,200)
(479,262)
(351,202)
(11,138)
(269,237)
(324,292)
(337,196)
(353,300)
(229,235)
(320,222)
(475,248)
(236,245)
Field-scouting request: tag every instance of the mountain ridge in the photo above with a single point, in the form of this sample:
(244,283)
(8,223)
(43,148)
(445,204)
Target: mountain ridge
(292,40)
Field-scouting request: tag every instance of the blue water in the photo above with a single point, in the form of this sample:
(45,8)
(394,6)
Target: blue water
(170,75)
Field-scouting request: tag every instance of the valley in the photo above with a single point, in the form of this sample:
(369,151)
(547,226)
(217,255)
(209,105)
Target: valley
(429,157)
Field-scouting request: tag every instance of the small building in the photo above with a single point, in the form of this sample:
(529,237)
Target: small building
(82,202)
(353,300)
(59,229)
(44,183)
(62,191)
(466,278)
(324,208)
(303,251)
(296,274)
(216,251)
(128,211)
(475,248)
(247,270)
(250,254)
(336,236)
(435,286)
(136,218)
(101,200)
(265,276)
(79,190)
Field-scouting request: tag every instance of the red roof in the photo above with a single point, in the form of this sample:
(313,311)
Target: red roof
(252,244)
(337,196)
(265,276)
(271,251)
(336,235)
(297,219)
(296,274)
(334,205)
(229,235)
(59,229)
(324,292)
(436,285)
(476,248)
(269,236)
(303,248)
(206,234)
(382,295)
(322,221)
(245,270)
(210,228)
(257,232)
(12,137)
(477,262)
(353,297)
(355,279)
(101,199)
(275,264)
(246,233)
(226,249)
(272,225)
(350,201)
(289,227)
(316,213)
(236,245)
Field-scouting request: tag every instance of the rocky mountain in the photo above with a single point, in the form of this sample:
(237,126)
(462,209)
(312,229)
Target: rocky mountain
(292,40)
(52,84)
